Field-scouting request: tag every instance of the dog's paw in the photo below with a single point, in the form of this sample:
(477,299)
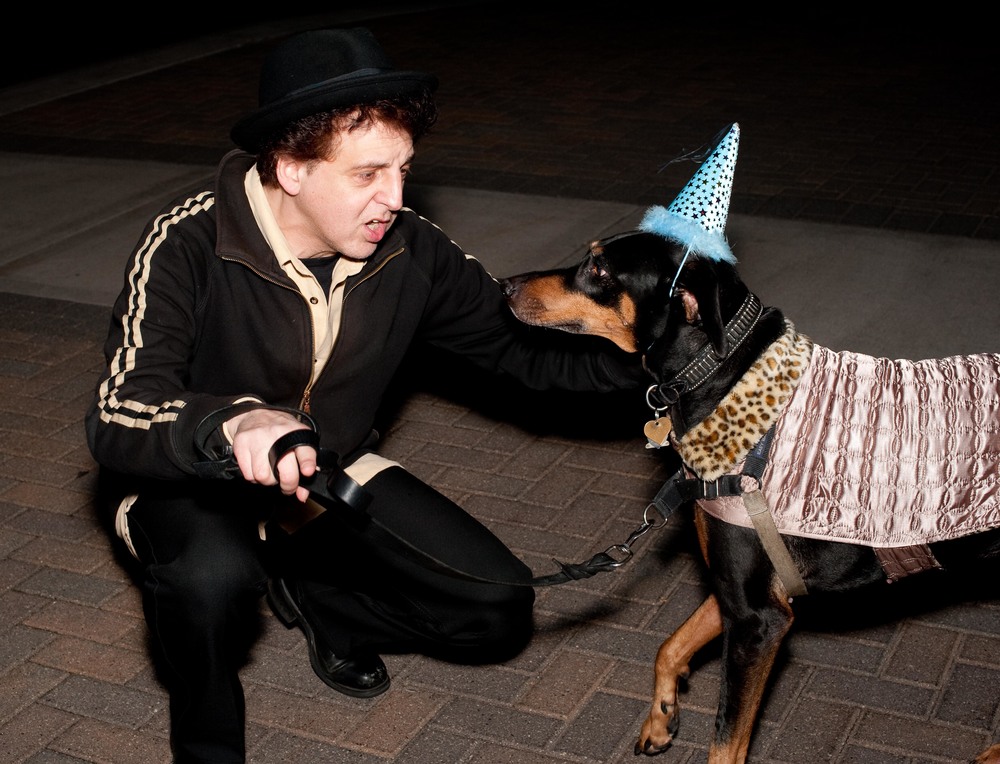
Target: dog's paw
(659,729)
(648,748)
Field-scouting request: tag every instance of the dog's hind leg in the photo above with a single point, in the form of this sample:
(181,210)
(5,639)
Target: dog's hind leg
(750,645)
(672,660)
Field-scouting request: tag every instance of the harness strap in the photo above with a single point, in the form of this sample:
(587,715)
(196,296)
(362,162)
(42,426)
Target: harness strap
(763,521)
(757,509)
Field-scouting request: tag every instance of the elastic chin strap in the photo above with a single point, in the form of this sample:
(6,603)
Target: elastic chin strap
(673,284)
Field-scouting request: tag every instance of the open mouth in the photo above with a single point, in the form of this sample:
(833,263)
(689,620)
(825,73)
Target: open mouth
(377,228)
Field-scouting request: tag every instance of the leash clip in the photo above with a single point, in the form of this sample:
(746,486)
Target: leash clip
(666,501)
(624,550)
(624,555)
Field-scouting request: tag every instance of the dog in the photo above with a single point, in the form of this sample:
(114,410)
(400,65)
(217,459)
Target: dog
(724,370)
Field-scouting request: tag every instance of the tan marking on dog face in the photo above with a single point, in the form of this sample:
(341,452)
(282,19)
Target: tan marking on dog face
(545,301)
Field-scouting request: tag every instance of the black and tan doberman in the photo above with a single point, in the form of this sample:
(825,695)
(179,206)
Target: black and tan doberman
(722,369)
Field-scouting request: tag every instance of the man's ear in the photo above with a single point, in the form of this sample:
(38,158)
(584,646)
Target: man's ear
(289,172)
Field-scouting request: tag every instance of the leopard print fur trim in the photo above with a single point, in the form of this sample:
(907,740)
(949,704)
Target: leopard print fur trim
(723,439)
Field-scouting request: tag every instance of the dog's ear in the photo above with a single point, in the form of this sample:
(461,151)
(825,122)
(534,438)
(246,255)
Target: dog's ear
(699,294)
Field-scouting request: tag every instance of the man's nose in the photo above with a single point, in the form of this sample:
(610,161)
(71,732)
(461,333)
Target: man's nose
(391,190)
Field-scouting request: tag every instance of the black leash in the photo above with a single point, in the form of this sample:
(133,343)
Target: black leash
(335,490)
(330,482)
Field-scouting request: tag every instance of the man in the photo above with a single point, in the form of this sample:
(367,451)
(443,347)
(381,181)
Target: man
(285,297)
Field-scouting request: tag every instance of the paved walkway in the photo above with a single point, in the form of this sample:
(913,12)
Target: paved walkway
(865,205)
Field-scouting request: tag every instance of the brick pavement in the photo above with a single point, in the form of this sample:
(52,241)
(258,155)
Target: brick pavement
(554,478)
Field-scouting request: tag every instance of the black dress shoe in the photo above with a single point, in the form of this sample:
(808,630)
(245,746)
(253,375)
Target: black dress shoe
(362,676)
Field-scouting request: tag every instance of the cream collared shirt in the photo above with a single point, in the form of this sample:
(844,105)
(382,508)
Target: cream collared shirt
(325,309)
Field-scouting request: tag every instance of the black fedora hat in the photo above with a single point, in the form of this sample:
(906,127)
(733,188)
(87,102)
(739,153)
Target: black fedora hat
(320,70)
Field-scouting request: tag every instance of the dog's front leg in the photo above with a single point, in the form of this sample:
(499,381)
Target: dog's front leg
(672,660)
(990,756)
(750,645)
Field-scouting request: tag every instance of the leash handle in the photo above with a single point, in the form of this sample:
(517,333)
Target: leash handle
(329,480)
(217,460)
(289,442)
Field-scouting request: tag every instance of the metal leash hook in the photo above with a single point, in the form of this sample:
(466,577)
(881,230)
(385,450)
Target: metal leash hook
(625,550)
(647,525)
(674,493)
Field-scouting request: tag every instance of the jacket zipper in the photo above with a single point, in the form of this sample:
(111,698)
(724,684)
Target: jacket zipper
(381,265)
(305,400)
(307,393)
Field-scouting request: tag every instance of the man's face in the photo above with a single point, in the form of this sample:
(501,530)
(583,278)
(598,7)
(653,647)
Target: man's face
(347,204)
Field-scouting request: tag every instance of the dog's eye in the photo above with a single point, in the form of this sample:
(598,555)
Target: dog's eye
(597,269)
(592,269)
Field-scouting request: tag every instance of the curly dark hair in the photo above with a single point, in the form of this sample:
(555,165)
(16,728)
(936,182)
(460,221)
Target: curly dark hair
(316,137)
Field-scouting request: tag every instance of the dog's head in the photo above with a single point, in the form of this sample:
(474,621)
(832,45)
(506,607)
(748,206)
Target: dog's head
(637,290)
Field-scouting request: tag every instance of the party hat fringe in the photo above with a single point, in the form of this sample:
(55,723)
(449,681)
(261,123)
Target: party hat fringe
(704,243)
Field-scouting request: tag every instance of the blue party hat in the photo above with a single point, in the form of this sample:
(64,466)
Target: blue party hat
(697,217)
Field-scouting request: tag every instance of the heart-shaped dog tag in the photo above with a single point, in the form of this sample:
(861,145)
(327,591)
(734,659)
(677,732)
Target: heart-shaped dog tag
(657,432)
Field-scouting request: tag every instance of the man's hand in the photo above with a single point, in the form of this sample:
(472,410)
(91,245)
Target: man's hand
(254,433)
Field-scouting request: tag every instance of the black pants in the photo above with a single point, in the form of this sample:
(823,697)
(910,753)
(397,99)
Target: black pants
(204,568)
